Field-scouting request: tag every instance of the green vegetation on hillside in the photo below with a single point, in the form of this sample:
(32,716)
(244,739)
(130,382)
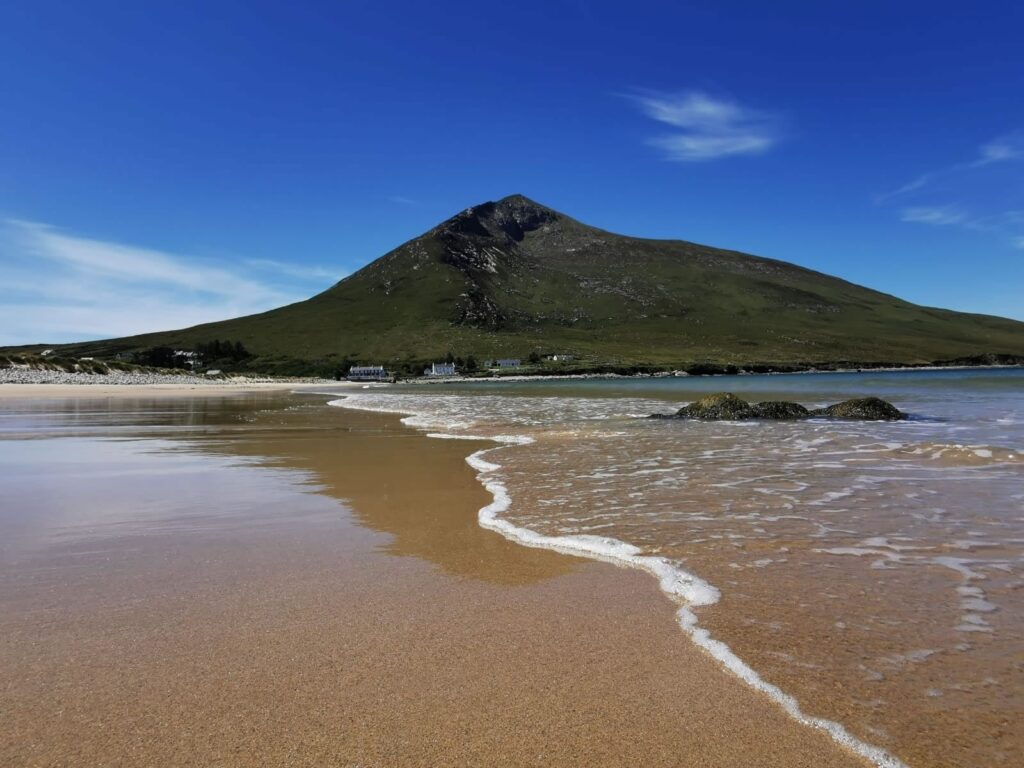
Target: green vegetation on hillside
(513,278)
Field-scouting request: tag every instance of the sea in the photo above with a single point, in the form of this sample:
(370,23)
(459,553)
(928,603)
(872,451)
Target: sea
(866,576)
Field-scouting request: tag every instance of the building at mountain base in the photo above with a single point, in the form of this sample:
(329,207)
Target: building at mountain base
(368,373)
(440,369)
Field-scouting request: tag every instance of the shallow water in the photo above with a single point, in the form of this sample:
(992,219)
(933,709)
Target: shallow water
(874,571)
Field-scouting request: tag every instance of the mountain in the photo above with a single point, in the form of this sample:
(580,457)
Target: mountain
(510,277)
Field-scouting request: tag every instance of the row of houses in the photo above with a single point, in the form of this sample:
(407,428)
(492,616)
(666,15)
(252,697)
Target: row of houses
(509,362)
(379,373)
(368,373)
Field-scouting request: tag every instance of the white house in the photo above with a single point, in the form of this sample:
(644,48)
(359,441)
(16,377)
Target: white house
(440,369)
(561,358)
(191,357)
(367,373)
(508,362)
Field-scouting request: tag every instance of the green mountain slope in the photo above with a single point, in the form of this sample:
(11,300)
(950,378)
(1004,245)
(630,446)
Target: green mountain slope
(508,278)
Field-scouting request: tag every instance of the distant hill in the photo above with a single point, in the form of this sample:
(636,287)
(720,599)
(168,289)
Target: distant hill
(507,278)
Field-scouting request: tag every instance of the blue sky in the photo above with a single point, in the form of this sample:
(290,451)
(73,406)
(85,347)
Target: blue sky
(164,164)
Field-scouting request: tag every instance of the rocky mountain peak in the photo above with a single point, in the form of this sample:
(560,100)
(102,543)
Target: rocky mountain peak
(508,219)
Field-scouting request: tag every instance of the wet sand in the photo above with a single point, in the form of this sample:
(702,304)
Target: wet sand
(263,580)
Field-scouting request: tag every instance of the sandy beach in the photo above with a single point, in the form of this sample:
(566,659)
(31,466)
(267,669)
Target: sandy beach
(260,580)
(168,390)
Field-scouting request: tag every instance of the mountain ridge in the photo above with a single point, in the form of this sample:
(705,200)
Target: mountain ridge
(512,276)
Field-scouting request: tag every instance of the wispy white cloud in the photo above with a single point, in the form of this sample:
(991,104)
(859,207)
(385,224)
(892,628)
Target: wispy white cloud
(1000,150)
(126,263)
(937,216)
(63,287)
(707,127)
(1006,225)
(918,183)
(297,271)
(985,184)
(1008,147)
(401,200)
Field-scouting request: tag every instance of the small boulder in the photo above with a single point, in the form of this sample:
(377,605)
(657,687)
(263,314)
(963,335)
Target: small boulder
(721,406)
(778,409)
(864,408)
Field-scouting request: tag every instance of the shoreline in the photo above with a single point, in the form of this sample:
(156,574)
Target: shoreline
(682,587)
(681,375)
(106,385)
(163,389)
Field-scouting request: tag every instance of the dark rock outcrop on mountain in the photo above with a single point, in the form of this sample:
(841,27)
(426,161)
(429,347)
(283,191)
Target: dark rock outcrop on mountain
(725,406)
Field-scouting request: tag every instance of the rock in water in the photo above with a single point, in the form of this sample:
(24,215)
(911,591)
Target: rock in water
(865,408)
(720,406)
(778,409)
(725,406)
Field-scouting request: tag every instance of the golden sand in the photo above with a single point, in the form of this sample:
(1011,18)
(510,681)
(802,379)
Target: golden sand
(301,585)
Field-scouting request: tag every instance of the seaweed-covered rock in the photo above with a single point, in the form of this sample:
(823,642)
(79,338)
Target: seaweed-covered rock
(720,406)
(865,408)
(778,409)
(725,406)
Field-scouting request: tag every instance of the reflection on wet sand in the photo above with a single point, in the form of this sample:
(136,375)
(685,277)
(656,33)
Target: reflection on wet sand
(370,463)
(381,472)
